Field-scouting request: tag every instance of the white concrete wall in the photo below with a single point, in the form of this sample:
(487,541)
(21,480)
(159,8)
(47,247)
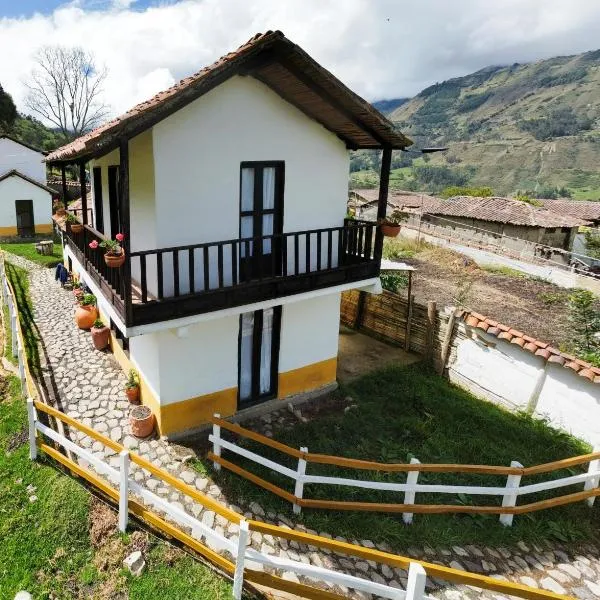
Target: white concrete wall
(309,332)
(197,156)
(103,162)
(23,159)
(506,374)
(15,188)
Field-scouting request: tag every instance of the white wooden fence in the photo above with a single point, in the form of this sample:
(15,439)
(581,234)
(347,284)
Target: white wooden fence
(509,493)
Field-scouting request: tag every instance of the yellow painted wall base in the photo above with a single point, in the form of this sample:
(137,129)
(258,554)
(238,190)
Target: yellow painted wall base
(308,378)
(12,231)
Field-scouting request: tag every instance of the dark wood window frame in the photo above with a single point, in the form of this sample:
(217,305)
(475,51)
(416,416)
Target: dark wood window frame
(98,199)
(256,397)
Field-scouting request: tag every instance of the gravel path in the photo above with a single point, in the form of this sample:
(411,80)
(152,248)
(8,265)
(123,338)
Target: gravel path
(88,385)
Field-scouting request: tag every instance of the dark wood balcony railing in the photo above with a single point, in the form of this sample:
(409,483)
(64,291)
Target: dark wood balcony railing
(168,283)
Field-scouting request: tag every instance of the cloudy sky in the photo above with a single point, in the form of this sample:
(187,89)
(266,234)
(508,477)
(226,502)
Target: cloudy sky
(380,48)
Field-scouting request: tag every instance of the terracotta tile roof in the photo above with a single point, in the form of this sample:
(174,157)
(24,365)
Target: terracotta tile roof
(495,209)
(277,62)
(536,347)
(582,209)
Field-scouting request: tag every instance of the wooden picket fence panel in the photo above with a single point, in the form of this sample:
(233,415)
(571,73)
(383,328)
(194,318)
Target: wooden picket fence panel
(231,555)
(509,493)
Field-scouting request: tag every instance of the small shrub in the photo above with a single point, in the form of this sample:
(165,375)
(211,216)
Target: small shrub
(394,282)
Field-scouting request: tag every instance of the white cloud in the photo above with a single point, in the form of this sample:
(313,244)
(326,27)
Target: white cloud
(380,48)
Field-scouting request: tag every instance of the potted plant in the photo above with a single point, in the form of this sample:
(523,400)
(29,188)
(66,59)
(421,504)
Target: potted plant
(141,420)
(77,290)
(114,256)
(100,334)
(86,313)
(390,226)
(132,387)
(74,223)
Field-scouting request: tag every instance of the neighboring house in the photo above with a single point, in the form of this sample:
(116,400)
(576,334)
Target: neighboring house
(517,226)
(25,199)
(230,188)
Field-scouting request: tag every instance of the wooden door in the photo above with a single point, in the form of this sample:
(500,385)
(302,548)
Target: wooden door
(261,218)
(25,221)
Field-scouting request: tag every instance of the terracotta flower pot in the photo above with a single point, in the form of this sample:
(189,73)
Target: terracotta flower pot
(390,230)
(114,261)
(77,228)
(141,420)
(85,316)
(133,394)
(100,337)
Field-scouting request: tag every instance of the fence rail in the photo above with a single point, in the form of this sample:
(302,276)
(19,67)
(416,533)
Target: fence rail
(509,492)
(230,555)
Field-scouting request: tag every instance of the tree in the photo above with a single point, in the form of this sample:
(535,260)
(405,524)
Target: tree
(584,314)
(592,243)
(8,111)
(65,89)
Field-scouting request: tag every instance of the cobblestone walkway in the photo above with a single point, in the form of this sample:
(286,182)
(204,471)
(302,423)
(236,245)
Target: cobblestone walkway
(88,385)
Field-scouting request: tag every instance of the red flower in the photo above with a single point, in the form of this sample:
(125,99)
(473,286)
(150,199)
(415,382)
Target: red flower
(93,244)
(120,237)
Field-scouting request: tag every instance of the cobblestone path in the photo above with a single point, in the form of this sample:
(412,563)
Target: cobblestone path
(88,385)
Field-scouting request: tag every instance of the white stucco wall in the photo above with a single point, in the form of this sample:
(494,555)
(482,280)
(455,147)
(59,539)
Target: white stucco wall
(15,188)
(506,374)
(23,159)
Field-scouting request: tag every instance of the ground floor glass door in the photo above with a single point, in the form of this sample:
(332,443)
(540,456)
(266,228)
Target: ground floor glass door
(258,355)
(25,222)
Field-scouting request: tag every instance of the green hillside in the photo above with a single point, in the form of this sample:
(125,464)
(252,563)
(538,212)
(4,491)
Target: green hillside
(530,127)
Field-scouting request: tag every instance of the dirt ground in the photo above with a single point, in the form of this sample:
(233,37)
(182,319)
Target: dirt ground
(360,354)
(533,306)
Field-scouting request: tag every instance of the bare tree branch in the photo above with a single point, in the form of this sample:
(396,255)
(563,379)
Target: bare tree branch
(65,88)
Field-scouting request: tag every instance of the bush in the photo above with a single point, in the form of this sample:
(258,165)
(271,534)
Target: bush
(560,122)
(478,192)
(584,314)
(394,281)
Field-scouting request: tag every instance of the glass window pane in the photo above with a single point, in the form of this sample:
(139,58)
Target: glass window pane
(267,230)
(247,328)
(247,189)
(269,187)
(265,352)
(247,227)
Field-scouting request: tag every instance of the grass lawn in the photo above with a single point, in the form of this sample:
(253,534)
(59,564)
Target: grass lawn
(409,412)
(19,280)
(27,250)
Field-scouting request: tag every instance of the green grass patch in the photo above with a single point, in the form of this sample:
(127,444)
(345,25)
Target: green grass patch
(27,250)
(19,280)
(409,412)
(504,270)
(401,247)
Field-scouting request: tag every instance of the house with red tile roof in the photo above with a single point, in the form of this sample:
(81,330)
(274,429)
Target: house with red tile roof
(229,190)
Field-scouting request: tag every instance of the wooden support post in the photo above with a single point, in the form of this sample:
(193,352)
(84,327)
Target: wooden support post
(431,316)
(126,226)
(510,498)
(123,490)
(415,586)
(31,423)
(409,497)
(63,174)
(216,445)
(238,576)
(447,341)
(590,484)
(409,314)
(360,309)
(83,191)
(384,182)
(299,489)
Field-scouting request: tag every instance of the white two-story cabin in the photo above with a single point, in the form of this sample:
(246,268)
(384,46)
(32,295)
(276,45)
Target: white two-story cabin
(230,188)
(25,199)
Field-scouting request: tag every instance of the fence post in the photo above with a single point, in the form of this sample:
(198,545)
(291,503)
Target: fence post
(590,484)
(431,316)
(409,497)
(123,490)
(31,423)
(216,445)
(238,576)
(510,499)
(13,328)
(415,587)
(299,489)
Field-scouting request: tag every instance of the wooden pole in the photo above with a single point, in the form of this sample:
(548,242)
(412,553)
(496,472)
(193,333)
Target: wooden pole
(384,183)
(447,340)
(409,314)
(431,315)
(63,173)
(360,309)
(84,209)
(126,226)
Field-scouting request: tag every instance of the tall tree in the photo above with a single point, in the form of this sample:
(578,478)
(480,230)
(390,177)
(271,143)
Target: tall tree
(65,88)
(8,111)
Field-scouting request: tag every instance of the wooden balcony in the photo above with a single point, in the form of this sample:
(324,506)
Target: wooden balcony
(168,283)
